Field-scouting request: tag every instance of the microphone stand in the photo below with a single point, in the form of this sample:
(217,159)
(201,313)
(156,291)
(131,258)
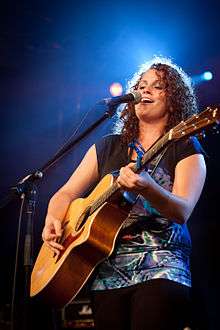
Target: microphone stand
(26,190)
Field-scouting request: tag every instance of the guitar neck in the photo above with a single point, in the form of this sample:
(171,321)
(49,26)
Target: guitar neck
(192,125)
(154,150)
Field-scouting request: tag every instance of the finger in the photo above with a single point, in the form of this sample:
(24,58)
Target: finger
(124,182)
(58,228)
(47,236)
(128,171)
(55,245)
(127,177)
(56,251)
(131,166)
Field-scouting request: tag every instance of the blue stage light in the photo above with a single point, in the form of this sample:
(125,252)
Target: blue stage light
(207,75)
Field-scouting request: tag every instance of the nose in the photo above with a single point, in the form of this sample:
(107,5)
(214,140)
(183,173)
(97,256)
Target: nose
(147,90)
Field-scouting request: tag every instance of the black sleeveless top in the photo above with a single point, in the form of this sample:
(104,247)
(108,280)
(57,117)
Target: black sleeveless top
(148,246)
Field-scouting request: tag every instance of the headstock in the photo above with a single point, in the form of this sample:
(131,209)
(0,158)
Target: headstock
(196,123)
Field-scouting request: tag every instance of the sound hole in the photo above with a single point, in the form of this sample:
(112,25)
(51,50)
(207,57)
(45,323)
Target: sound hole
(83,218)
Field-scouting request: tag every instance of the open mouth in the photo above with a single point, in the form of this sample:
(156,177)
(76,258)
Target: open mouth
(146,100)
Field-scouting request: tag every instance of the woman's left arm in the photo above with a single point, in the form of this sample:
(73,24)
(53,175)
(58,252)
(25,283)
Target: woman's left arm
(177,205)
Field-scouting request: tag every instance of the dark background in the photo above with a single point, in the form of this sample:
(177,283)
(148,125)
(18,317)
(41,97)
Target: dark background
(56,60)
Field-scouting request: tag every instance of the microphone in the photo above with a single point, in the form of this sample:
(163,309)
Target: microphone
(134,97)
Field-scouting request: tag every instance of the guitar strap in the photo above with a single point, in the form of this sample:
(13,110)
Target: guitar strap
(157,161)
(140,152)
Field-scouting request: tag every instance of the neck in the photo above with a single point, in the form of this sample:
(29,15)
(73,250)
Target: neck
(149,133)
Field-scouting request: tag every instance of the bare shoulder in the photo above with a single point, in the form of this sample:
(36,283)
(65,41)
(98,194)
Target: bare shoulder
(192,163)
(190,174)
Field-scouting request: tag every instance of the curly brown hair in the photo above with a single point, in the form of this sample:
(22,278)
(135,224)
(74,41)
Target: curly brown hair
(182,101)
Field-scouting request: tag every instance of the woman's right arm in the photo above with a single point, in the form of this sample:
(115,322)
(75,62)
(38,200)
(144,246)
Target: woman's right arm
(80,181)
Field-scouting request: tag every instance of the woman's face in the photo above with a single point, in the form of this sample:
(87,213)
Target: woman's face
(153,105)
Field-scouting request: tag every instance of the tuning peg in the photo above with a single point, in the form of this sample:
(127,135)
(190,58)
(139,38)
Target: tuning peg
(203,134)
(215,129)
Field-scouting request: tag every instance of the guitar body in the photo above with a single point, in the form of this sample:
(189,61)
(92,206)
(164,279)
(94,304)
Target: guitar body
(87,241)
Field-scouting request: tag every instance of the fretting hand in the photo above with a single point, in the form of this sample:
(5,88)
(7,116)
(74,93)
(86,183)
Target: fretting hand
(131,181)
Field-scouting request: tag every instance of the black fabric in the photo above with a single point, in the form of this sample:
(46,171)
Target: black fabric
(112,154)
(154,305)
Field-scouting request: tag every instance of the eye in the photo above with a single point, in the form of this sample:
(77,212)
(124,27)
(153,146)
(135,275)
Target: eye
(158,87)
(141,87)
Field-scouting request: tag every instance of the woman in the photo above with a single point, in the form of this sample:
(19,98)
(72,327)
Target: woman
(145,283)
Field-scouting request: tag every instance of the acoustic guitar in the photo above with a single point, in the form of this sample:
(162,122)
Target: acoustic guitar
(91,226)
